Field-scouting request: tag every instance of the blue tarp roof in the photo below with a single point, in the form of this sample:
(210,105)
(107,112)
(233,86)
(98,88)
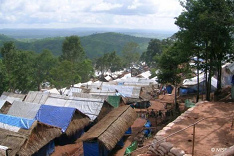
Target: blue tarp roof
(55,116)
(16,121)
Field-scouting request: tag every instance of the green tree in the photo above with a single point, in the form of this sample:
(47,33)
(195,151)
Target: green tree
(3,78)
(130,53)
(19,67)
(154,49)
(43,63)
(109,61)
(172,67)
(22,75)
(72,50)
(85,70)
(207,25)
(64,75)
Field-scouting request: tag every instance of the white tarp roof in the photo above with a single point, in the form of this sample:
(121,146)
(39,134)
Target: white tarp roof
(24,110)
(146,74)
(231,68)
(37,97)
(54,91)
(2,102)
(86,95)
(135,81)
(128,91)
(73,90)
(10,97)
(193,81)
(90,107)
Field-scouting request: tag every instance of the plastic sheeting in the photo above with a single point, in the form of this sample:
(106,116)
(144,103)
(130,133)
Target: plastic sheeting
(128,91)
(94,149)
(36,97)
(24,110)
(10,97)
(193,81)
(16,121)
(91,148)
(131,148)
(90,107)
(2,102)
(114,100)
(55,116)
(189,104)
(148,130)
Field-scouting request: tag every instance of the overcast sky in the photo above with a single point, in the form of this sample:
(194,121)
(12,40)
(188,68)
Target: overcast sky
(133,14)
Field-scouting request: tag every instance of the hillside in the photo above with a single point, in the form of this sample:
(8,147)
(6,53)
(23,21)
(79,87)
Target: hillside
(94,45)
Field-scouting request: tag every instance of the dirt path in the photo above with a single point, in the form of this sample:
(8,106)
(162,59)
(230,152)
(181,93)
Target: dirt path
(212,135)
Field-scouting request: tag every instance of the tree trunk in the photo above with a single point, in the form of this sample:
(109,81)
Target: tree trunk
(206,77)
(198,57)
(219,77)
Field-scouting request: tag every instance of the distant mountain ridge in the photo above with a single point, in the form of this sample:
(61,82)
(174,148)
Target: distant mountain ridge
(95,45)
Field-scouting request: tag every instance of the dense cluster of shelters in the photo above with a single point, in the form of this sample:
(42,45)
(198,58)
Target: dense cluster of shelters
(93,113)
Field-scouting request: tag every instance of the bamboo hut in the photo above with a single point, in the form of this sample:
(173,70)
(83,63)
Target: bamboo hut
(71,121)
(103,136)
(94,108)
(30,140)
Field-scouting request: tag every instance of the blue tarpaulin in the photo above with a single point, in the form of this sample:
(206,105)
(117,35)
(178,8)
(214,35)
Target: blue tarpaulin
(94,149)
(129,131)
(148,130)
(16,121)
(46,150)
(169,89)
(55,116)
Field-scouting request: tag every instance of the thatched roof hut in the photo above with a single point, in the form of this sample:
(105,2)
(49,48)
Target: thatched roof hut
(111,128)
(27,141)
(70,120)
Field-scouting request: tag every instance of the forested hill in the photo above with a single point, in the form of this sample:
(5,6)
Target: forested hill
(94,45)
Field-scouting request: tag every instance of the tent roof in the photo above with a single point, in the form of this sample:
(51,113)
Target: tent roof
(14,123)
(114,100)
(106,89)
(10,97)
(193,81)
(37,97)
(55,116)
(2,102)
(24,109)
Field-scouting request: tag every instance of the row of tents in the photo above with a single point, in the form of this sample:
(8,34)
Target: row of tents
(189,86)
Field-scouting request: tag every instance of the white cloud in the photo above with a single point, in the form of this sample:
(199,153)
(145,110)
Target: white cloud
(152,14)
(134,5)
(105,6)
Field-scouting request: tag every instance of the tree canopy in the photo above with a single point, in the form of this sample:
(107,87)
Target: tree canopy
(206,29)
(72,49)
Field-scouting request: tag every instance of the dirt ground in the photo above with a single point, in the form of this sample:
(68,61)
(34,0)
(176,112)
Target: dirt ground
(212,135)
(69,150)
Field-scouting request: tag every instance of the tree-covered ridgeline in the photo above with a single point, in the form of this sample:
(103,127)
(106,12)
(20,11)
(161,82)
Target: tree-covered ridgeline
(22,71)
